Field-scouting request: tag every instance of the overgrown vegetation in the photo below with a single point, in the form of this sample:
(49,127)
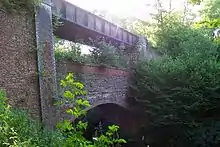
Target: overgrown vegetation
(69,51)
(180,92)
(74,134)
(17,129)
(17,5)
(104,54)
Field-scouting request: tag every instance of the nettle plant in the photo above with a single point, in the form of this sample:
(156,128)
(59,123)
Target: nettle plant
(74,98)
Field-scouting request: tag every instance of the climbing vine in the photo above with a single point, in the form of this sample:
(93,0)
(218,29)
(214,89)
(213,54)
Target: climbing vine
(18,5)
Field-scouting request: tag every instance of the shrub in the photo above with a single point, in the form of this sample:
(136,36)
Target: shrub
(181,92)
(71,51)
(174,37)
(17,129)
(105,54)
(74,96)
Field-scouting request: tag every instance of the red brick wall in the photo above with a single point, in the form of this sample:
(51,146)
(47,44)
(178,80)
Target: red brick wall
(81,68)
(104,85)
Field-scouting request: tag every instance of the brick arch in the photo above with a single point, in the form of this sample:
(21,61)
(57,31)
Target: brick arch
(121,103)
(129,121)
(103,84)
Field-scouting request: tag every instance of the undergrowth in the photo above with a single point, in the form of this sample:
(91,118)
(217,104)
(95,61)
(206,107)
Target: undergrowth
(105,54)
(180,92)
(17,129)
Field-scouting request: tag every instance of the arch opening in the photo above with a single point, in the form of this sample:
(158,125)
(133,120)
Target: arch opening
(104,115)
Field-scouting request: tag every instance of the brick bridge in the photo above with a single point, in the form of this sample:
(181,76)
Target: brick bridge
(104,85)
(22,65)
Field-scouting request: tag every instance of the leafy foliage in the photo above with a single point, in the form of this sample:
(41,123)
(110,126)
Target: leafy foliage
(210,14)
(17,129)
(70,50)
(104,54)
(74,133)
(180,92)
(211,9)
(195,1)
(173,41)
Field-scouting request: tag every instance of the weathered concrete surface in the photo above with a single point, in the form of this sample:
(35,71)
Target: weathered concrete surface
(18,63)
(46,61)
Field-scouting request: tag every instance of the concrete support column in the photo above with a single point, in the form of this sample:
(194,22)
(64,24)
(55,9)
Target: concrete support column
(46,61)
